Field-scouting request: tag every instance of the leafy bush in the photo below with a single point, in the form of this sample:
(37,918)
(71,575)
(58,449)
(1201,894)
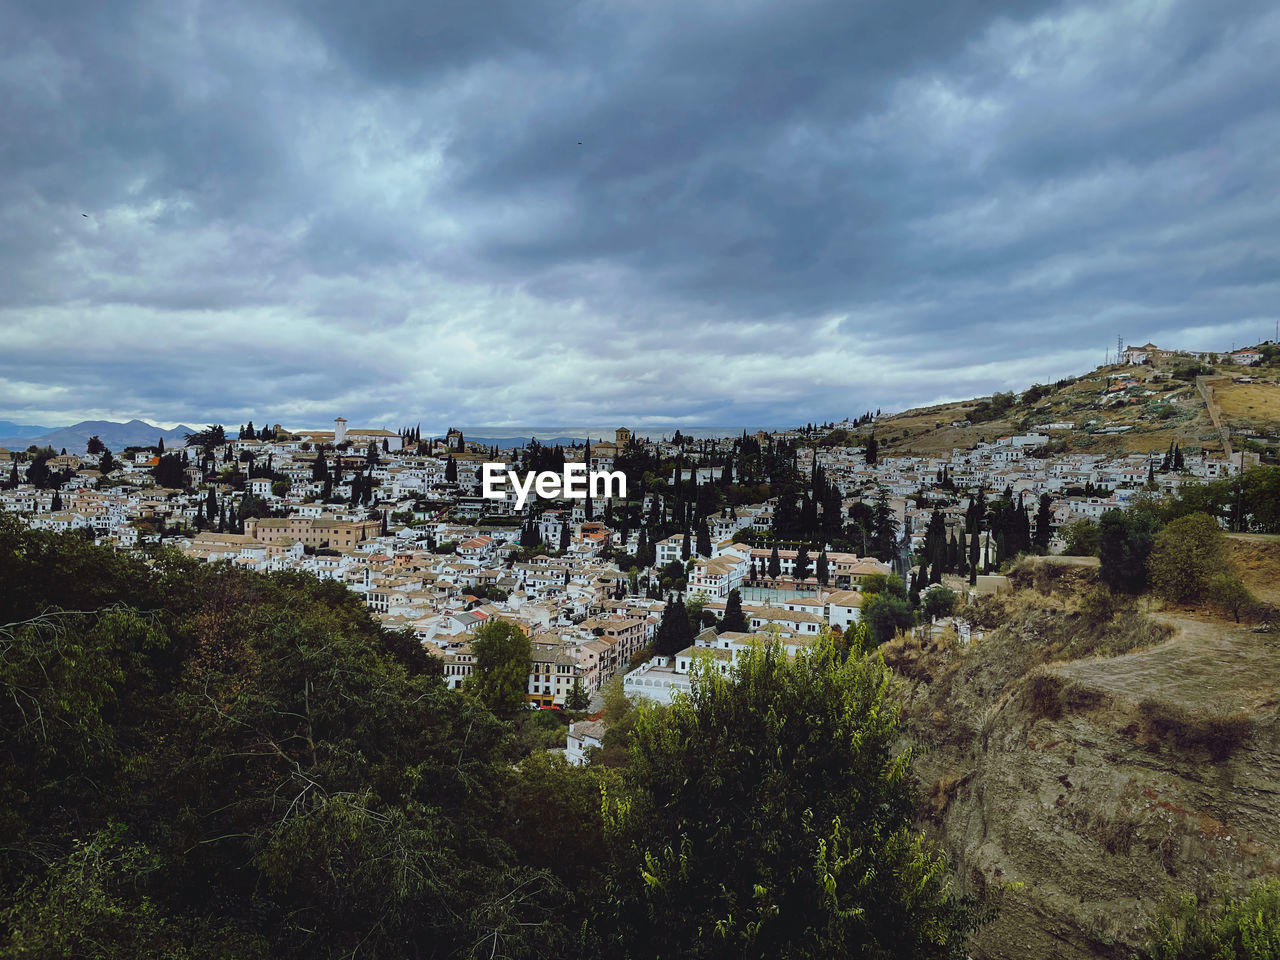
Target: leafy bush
(1185,557)
(992,408)
(1222,929)
(846,875)
(1189,728)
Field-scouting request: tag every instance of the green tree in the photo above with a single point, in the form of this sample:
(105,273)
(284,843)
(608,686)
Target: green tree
(889,583)
(1228,592)
(812,852)
(1044,522)
(1186,555)
(975,555)
(734,620)
(704,540)
(674,632)
(195,759)
(577,699)
(1082,538)
(95,446)
(885,614)
(169,471)
(802,562)
(939,601)
(1247,928)
(1125,540)
(500,679)
(775,564)
(824,567)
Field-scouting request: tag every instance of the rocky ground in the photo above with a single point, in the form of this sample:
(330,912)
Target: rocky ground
(1094,759)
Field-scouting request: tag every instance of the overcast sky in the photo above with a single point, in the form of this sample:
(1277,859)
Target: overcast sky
(717,213)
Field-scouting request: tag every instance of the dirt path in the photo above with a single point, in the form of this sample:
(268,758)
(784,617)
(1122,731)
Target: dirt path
(1206,663)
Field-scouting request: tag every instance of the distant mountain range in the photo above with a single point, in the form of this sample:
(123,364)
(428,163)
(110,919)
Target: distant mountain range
(10,429)
(117,436)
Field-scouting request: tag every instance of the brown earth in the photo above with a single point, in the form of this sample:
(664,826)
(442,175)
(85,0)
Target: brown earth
(1257,559)
(927,431)
(1249,401)
(1097,757)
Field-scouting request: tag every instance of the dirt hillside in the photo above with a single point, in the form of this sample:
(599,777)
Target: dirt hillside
(1096,755)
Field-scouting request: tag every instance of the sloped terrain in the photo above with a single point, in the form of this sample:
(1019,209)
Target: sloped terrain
(1157,410)
(1097,758)
(1257,559)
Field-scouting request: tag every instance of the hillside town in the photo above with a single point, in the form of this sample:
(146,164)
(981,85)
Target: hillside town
(792,525)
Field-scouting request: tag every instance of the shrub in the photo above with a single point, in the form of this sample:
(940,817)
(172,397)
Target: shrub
(1081,539)
(1042,696)
(1186,555)
(1241,929)
(1188,728)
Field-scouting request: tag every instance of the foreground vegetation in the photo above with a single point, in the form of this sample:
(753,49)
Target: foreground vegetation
(197,761)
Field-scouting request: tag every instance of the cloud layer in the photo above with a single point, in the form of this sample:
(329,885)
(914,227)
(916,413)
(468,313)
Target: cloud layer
(559,212)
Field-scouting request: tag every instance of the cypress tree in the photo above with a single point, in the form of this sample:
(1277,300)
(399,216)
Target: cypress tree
(775,564)
(685,546)
(824,569)
(1044,522)
(802,562)
(704,540)
(734,620)
(674,632)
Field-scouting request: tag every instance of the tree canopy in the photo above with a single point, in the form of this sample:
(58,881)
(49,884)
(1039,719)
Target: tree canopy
(844,875)
(199,761)
(501,676)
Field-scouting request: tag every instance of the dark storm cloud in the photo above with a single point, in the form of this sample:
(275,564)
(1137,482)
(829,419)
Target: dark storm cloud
(568,212)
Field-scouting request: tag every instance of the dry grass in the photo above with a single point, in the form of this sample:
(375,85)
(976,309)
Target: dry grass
(1192,728)
(1067,576)
(928,430)
(1256,557)
(1048,696)
(1249,401)
(943,791)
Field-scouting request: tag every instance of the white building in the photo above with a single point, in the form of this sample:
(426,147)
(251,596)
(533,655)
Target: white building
(583,736)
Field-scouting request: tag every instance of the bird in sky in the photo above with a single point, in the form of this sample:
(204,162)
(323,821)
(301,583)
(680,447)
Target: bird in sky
(84,214)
